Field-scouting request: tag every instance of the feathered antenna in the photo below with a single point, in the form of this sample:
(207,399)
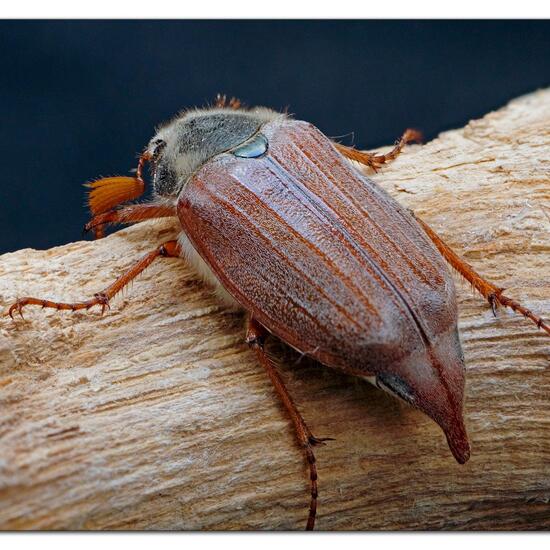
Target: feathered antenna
(106,193)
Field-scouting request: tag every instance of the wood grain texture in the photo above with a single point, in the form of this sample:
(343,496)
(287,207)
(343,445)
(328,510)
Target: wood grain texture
(156,416)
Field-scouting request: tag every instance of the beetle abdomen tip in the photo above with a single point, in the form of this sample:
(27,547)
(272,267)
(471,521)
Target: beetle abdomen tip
(457,438)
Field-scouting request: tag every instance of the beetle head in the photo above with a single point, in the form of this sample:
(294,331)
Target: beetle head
(433,381)
(182,146)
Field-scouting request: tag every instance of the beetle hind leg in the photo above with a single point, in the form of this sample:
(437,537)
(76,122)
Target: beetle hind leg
(375,161)
(255,338)
(493,294)
(169,249)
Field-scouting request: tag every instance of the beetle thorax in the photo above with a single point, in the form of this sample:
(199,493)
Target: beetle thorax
(182,146)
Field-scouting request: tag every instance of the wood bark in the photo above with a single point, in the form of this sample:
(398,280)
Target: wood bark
(157,416)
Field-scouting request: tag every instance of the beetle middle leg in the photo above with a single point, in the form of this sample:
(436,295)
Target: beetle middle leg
(255,337)
(493,294)
(375,160)
(169,249)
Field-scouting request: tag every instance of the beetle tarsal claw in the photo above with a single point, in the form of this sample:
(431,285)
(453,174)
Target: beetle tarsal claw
(493,302)
(101,299)
(16,306)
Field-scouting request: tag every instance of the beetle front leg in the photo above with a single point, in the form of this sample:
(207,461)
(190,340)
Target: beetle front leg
(131,214)
(169,249)
(493,294)
(255,337)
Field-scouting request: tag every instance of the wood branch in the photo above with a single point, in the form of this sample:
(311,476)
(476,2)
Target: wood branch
(157,416)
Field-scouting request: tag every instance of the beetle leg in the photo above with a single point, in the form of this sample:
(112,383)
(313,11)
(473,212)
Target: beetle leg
(255,337)
(493,294)
(375,160)
(131,214)
(169,249)
(221,101)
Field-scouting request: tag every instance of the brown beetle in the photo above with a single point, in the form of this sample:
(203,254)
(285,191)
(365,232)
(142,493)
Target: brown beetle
(281,224)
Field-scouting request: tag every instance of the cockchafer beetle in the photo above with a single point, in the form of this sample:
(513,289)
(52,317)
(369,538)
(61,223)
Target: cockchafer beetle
(281,224)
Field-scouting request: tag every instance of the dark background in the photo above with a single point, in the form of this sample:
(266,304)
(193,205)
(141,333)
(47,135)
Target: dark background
(79,99)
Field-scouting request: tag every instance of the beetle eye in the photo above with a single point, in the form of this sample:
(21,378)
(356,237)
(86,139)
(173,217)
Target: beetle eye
(396,386)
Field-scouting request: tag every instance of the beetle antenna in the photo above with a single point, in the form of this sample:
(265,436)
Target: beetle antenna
(106,193)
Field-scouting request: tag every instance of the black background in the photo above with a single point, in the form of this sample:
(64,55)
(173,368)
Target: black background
(80,99)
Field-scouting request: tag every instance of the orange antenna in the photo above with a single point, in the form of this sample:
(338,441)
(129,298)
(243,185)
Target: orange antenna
(106,193)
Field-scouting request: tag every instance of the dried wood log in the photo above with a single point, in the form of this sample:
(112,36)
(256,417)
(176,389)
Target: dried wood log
(156,415)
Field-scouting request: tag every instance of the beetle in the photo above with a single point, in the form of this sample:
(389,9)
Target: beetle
(278,219)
